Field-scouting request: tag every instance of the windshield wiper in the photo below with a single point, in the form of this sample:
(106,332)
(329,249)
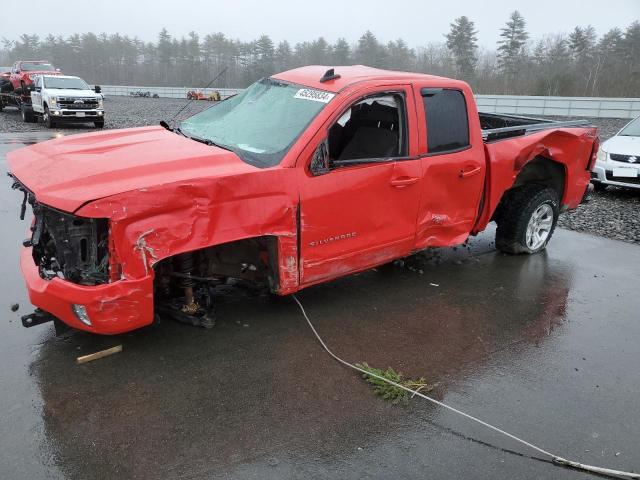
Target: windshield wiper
(206,141)
(177,130)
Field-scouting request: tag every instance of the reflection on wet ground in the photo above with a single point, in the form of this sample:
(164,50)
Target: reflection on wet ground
(541,345)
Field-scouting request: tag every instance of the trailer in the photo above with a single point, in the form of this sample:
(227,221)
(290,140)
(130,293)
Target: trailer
(57,99)
(22,101)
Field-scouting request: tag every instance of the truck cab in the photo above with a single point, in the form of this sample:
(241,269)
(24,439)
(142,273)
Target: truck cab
(63,98)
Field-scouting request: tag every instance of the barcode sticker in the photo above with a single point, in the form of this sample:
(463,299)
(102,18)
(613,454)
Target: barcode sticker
(315,95)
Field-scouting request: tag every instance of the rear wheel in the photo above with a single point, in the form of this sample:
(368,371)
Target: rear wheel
(527,220)
(46,118)
(27,114)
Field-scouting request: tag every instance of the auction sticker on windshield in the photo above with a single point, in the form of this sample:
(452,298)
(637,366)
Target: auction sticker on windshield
(315,95)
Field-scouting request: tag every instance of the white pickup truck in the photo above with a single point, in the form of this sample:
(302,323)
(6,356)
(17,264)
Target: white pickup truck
(62,98)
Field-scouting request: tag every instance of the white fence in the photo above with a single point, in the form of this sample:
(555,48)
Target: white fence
(514,104)
(561,106)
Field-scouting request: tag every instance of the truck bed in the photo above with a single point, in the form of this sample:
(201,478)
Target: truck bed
(500,126)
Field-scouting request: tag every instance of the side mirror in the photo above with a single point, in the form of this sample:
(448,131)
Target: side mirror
(321,164)
(38,89)
(97,89)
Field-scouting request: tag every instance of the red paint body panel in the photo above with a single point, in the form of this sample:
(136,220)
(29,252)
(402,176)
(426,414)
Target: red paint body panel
(165,194)
(113,308)
(67,172)
(570,147)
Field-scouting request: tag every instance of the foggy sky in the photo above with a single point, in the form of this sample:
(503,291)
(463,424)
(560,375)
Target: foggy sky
(417,22)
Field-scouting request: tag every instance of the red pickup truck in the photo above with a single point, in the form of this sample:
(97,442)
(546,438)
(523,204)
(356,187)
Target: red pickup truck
(24,71)
(304,177)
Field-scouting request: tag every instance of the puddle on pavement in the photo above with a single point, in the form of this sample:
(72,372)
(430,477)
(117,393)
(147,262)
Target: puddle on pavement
(258,381)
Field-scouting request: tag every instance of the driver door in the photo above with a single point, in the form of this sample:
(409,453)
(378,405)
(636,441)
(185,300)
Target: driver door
(361,210)
(36,95)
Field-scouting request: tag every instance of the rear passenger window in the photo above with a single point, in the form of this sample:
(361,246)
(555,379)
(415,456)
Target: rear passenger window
(447,120)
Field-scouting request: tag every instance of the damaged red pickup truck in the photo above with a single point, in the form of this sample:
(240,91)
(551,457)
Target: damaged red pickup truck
(303,177)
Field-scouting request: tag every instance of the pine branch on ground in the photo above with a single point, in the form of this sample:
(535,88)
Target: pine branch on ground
(391,392)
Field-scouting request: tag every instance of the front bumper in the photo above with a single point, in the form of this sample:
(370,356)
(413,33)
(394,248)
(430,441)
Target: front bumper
(603,173)
(71,115)
(113,308)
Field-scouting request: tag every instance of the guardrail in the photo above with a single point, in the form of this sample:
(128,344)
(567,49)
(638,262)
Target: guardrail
(562,106)
(166,92)
(517,104)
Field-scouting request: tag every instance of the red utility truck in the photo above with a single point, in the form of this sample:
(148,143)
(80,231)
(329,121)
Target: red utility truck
(303,177)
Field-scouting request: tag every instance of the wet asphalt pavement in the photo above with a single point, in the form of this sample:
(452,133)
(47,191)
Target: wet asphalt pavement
(544,346)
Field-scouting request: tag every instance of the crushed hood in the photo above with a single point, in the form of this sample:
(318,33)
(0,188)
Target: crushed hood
(68,172)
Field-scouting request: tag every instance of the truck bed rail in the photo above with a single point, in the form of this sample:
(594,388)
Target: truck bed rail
(500,126)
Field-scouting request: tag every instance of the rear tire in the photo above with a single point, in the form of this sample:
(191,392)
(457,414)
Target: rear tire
(527,219)
(46,118)
(27,114)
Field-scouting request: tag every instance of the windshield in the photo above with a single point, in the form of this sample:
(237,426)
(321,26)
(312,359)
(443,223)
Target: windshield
(632,129)
(62,82)
(261,123)
(38,67)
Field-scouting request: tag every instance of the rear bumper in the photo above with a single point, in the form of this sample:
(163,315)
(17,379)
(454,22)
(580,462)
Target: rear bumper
(112,308)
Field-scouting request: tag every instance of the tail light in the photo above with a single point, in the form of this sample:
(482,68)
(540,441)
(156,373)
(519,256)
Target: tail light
(594,154)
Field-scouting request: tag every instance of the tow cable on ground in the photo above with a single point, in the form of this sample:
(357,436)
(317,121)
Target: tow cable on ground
(555,459)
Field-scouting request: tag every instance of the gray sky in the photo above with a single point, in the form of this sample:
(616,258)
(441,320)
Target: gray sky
(417,22)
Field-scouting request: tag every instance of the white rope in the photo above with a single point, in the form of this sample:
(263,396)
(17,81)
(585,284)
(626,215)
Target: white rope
(555,458)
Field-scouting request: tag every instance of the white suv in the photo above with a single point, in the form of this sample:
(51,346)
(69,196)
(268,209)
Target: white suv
(61,98)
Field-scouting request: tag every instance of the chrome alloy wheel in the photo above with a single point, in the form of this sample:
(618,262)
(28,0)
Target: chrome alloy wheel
(539,226)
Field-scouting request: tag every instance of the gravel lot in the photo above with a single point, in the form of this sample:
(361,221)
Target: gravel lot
(613,213)
(121,112)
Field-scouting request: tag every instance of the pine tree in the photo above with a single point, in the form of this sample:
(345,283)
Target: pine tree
(369,51)
(400,56)
(341,53)
(511,46)
(461,41)
(582,45)
(319,52)
(630,50)
(582,42)
(283,56)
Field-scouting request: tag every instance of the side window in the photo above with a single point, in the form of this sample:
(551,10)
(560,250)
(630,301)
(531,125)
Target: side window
(371,128)
(447,120)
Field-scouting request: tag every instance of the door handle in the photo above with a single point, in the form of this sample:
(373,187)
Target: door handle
(469,173)
(402,182)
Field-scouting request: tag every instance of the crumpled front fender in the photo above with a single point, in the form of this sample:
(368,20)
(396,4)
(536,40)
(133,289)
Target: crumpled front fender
(150,224)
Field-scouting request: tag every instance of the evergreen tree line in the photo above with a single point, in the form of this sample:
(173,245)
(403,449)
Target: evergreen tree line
(578,64)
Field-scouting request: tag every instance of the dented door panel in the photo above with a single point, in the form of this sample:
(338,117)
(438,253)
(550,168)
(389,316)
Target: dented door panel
(452,183)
